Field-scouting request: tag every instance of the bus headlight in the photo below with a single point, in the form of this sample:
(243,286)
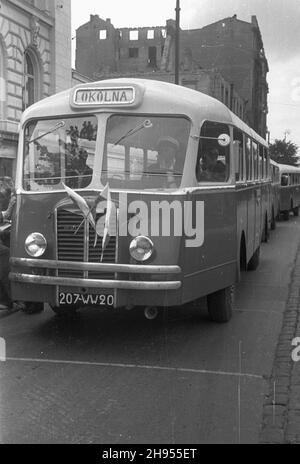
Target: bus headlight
(141,248)
(35,245)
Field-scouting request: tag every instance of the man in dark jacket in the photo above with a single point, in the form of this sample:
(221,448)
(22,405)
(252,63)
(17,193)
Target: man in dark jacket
(6,302)
(8,200)
(212,170)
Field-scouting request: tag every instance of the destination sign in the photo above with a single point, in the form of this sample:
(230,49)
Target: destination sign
(104,96)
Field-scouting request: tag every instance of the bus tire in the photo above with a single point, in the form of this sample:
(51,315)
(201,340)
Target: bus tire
(286,215)
(296,211)
(242,259)
(266,233)
(254,261)
(32,308)
(60,311)
(273,220)
(220,303)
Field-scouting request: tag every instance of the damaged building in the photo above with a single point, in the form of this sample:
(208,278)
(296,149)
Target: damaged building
(225,59)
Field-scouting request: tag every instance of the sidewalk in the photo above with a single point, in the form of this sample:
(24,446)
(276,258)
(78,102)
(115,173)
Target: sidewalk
(281,412)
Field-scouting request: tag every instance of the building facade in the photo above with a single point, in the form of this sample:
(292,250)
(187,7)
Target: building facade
(235,49)
(225,59)
(35,62)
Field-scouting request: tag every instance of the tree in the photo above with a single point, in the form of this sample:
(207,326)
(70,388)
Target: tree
(284,152)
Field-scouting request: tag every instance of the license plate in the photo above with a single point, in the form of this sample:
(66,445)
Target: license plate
(67,298)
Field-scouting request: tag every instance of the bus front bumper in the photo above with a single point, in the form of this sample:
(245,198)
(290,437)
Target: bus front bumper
(40,278)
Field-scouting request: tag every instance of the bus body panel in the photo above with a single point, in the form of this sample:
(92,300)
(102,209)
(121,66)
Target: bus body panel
(289,193)
(289,197)
(266,206)
(275,189)
(212,266)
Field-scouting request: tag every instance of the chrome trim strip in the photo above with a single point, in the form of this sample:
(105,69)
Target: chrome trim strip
(103,267)
(212,268)
(180,191)
(94,283)
(205,188)
(96,189)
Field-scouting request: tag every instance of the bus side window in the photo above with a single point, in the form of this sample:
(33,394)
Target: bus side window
(255,160)
(238,153)
(248,153)
(213,157)
(261,162)
(267,162)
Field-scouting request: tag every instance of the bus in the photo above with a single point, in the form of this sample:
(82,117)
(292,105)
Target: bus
(136,193)
(275,193)
(289,192)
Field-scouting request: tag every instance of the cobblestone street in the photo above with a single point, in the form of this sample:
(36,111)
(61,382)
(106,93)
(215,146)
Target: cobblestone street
(281,417)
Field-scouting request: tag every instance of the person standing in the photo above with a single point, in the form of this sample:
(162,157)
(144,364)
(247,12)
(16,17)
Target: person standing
(6,302)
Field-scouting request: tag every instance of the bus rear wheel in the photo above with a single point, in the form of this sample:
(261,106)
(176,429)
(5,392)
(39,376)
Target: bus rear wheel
(266,232)
(67,311)
(254,261)
(220,303)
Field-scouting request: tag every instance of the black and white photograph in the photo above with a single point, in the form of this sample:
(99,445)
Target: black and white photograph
(149,225)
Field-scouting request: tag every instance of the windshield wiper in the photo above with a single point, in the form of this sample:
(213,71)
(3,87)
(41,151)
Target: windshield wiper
(55,128)
(145,125)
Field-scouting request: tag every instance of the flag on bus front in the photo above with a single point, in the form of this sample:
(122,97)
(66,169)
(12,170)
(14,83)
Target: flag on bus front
(109,217)
(81,204)
(90,214)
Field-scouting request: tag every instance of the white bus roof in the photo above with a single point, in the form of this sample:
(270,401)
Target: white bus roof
(285,168)
(156,97)
(274,163)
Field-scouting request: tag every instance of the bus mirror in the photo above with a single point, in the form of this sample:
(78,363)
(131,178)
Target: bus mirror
(224,140)
(284,180)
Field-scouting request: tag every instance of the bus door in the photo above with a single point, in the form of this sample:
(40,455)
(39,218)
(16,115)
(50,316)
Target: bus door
(210,257)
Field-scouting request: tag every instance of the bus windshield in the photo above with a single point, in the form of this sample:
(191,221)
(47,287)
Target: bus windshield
(144,152)
(59,150)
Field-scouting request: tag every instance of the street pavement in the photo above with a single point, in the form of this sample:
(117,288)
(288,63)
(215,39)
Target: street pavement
(115,377)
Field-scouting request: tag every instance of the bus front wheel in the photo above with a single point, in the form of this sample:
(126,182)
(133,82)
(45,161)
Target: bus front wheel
(266,232)
(254,261)
(219,304)
(273,221)
(296,211)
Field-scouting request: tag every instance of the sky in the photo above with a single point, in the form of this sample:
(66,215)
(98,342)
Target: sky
(279,22)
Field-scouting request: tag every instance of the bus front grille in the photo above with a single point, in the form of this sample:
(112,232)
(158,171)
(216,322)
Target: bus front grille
(76,242)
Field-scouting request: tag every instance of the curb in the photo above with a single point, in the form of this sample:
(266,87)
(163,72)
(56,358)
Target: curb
(281,409)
